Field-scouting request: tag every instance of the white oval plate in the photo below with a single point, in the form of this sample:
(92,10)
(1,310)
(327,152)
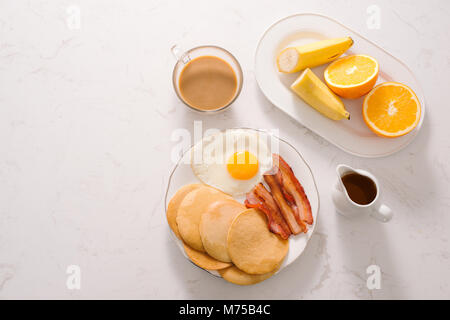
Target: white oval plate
(182,174)
(352,136)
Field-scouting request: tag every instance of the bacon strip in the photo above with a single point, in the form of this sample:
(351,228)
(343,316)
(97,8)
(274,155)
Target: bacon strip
(286,210)
(290,200)
(286,205)
(260,198)
(292,189)
(264,194)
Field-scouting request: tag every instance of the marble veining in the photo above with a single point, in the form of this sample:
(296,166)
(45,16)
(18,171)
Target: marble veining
(87,111)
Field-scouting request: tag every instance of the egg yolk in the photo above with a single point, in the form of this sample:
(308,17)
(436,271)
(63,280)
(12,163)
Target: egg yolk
(242,165)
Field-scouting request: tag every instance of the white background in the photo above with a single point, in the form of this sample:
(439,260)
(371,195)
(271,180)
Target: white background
(86,117)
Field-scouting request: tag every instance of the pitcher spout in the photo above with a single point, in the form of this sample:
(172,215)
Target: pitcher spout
(343,169)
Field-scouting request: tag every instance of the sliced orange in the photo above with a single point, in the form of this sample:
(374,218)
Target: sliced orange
(353,76)
(391,109)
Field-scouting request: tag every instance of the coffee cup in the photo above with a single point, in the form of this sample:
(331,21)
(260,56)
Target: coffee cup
(207,79)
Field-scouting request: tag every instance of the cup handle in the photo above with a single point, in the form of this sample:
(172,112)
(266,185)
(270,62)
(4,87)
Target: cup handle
(180,54)
(383,213)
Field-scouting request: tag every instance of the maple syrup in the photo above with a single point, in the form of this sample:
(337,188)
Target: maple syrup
(361,189)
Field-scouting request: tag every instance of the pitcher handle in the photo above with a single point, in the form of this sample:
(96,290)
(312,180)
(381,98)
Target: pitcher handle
(180,54)
(382,213)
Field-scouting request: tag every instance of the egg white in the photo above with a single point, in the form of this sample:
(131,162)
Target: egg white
(209,159)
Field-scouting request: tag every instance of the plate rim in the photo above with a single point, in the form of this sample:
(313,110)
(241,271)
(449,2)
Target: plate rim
(362,155)
(176,239)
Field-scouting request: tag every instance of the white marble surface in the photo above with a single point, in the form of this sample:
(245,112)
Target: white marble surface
(86,117)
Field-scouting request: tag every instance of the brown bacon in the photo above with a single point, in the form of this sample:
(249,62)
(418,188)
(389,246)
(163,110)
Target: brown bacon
(293,190)
(268,199)
(286,210)
(260,198)
(289,199)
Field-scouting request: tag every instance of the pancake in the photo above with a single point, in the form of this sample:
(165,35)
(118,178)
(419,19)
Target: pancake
(236,276)
(214,226)
(203,260)
(191,209)
(252,247)
(174,204)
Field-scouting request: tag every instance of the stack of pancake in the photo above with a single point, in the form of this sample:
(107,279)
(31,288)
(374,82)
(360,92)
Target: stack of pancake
(219,233)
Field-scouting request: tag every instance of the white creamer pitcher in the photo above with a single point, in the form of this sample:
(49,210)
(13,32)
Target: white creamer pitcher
(347,207)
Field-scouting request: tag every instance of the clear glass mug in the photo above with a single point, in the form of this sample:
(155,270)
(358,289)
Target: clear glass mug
(184,57)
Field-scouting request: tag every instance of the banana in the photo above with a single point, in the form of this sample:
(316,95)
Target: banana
(316,93)
(294,59)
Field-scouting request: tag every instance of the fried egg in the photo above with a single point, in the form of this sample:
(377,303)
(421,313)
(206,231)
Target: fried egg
(232,161)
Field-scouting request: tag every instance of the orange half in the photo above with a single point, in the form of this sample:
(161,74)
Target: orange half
(353,76)
(391,109)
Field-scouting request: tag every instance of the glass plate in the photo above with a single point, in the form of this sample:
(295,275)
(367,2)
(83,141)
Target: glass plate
(182,174)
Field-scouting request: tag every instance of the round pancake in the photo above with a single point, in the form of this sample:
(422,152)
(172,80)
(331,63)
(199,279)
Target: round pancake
(214,226)
(203,260)
(236,276)
(174,204)
(194,204)
(252,247)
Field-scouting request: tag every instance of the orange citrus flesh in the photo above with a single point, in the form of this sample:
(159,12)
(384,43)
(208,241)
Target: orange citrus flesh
(352,76)
(391,109)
